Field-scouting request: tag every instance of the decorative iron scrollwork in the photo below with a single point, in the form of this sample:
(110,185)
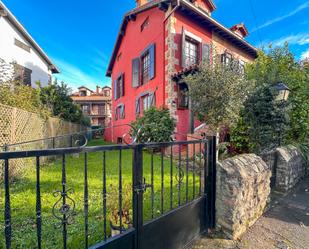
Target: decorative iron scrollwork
(179,176)
(64,208)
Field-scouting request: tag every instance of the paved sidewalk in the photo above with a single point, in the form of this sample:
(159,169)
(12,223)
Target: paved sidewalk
(284,226)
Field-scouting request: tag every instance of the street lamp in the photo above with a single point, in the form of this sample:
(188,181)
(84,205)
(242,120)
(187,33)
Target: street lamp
(282,92)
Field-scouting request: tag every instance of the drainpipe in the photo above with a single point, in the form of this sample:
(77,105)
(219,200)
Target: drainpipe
(191,117)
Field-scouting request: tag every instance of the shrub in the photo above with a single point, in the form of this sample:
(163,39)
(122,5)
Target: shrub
(218,93)
(263,121)
(23,97)
(156,125)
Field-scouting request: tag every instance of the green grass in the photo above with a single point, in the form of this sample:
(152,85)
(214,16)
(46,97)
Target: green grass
(23,196)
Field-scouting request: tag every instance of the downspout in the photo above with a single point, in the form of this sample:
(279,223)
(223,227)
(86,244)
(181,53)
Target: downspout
(164,43)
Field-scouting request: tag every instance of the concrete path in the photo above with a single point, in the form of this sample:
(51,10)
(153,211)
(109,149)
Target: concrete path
(284,226)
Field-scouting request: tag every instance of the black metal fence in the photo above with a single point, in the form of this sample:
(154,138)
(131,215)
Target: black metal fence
(69,140)
(120,194)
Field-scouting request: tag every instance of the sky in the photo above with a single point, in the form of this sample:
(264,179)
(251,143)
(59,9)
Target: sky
(79,35)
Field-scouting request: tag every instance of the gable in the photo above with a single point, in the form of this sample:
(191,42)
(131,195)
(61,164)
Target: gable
(206,5)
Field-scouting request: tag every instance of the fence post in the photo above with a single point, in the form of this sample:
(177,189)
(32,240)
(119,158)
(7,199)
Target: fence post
(137,195)
(7,208)
(211,182)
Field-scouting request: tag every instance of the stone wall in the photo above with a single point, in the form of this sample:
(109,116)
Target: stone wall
(243,188)
(287,167)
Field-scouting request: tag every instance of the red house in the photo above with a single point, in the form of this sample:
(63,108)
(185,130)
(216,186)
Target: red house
(159,41)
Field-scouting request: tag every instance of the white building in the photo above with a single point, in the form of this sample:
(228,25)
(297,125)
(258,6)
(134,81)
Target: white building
(31,64)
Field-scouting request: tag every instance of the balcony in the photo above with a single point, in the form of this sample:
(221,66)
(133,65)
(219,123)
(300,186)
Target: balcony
(98,112)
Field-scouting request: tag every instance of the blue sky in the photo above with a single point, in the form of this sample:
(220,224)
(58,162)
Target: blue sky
(79,35)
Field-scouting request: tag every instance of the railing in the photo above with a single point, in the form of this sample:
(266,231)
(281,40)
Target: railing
(174,172)
(69,140)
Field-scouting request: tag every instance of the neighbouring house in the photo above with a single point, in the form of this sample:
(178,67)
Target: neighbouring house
(95,104)
(29,61)
(173,38)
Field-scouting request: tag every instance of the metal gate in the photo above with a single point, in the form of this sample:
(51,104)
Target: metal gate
(173,195)
(186,214)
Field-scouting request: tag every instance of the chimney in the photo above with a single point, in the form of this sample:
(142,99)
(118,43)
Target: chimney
(98,90)
(141,2)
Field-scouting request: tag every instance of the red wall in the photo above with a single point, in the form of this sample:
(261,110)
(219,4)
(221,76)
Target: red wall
(206,36)
(133,43)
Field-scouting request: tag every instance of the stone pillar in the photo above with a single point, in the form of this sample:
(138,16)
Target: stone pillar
(243,188)
(287,167)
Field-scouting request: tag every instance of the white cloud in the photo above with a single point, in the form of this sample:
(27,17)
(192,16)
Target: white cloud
(73,75)
(298,39)
(278,19)
(305,55)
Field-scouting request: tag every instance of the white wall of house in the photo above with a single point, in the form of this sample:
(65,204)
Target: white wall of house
(9,52)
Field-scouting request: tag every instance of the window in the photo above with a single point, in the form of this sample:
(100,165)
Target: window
(22,45)
(145,24)
(143,67)
(22,75)
(99,110)
(147,102)
(120,112)
(191,52)
(144,102)
(183,96)
(106,93)
(226,59)
(119,87)
(86,109)
(241,67)
(83,93)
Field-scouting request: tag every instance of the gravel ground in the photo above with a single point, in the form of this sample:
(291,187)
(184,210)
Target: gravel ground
(284,226)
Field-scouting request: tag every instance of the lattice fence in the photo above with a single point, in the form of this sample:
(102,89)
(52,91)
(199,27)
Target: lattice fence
(17,126)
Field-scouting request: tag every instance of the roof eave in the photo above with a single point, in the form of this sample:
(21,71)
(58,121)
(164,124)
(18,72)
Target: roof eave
(9,15)
(127,17)
(185,3)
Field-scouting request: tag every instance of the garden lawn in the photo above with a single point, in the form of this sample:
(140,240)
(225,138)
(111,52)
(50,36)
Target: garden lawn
(23,196)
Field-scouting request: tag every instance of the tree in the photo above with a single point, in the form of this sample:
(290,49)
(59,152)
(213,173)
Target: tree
(279,65)
(217,93)
(6,71)
(156,125)
(56,98)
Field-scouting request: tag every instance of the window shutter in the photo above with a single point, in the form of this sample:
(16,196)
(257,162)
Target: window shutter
(136,72)
(137,106)
(115,89)
(152,55)
(223,58)
(206,53)
(121,85)
(116,113)
(183,49)
(122,111)
(152,99)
